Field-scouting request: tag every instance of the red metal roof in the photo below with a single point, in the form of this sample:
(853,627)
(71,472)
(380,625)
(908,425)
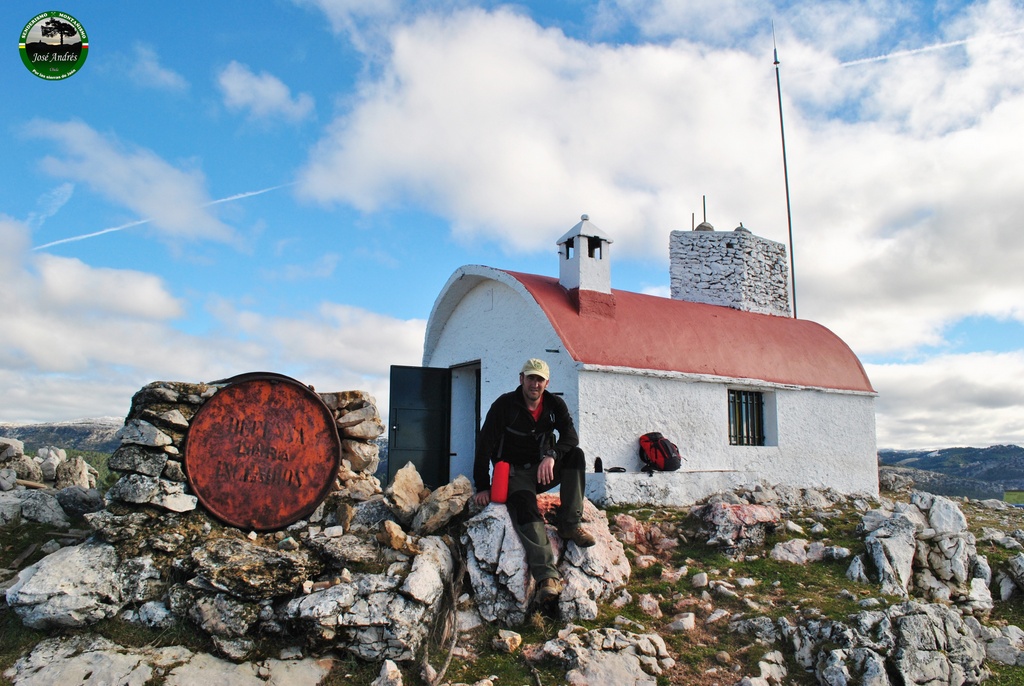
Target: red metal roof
(650,332)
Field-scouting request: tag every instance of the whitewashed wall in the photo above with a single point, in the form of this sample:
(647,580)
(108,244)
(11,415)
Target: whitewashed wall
(823,439)
(498,323)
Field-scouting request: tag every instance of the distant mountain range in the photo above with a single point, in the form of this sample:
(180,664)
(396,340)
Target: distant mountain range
(96,434)
(975,472)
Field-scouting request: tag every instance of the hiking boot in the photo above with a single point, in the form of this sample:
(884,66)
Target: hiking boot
(577,534)
(548,590)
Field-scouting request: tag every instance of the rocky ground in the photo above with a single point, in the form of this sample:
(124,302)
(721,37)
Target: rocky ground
(756,605)
(400,585)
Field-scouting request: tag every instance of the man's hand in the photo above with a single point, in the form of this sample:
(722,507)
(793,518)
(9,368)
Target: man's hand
(482,498)
(546,471)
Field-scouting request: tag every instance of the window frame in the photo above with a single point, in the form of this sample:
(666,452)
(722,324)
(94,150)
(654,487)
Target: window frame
(746,410)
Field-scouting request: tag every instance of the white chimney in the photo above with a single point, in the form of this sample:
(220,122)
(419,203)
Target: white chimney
(584,268)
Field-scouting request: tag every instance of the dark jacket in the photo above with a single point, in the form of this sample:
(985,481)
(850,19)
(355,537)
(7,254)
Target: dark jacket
(510,428)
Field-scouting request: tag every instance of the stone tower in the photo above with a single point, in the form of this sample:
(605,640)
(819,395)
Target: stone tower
(732,268)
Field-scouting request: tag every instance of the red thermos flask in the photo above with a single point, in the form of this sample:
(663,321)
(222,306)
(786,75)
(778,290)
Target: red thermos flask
(499,482)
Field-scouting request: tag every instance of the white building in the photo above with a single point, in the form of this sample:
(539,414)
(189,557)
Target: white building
(749,394)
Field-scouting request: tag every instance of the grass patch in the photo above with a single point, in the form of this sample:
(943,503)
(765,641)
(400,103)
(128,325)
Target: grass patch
(1005,675)
(1014,497)
(1010,612)
(15,640)
(349,670)
(18,539)
(489,662)
(130,635)
(97,461)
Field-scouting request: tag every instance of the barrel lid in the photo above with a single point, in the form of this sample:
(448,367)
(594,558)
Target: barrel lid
(263,452)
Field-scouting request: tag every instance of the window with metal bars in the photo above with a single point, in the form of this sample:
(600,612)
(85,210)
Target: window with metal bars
(746,417)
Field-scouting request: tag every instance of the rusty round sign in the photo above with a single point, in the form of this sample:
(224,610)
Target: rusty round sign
(262,452)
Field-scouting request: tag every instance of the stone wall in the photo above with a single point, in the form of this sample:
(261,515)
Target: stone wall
(152,441)
(155,550)
(732,268)
(370,571)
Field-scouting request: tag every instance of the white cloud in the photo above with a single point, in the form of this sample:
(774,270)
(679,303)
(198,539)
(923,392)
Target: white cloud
(709,21)
(78,341)
(60,316)
(512,131)
(174,200)
(950,400)
(363,22)
(145,69)
(903,224)
(50,204)
(904,170)
(349,341)
(263,95)
(70,284)
(342,13)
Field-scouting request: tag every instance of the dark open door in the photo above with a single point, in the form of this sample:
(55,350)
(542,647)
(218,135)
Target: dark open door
(419,422)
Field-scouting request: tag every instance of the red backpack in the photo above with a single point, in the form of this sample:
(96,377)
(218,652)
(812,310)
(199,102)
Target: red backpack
(658,453)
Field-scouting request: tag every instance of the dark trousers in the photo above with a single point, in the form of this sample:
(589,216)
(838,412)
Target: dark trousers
(522,506)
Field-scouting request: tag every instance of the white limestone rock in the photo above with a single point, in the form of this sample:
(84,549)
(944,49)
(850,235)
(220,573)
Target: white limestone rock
(608,656)
(10,509)
(8,479)
(404,493)
(891,547)
(1015,568)
(88,659)
(74,587)
(495,559)
(390,675)
(979,599)
(43,507)
(81,659)
(591,575)
(363,456)
(148,490)
(441,506)
(793,551)
(10,448)
(944,515)
(683,622)
(136,458)
(48,465)
(141,432)
(431,571)
(367,616)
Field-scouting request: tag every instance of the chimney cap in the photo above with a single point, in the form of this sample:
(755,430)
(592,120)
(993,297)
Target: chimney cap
(584,228)
(742,229)
(704,226)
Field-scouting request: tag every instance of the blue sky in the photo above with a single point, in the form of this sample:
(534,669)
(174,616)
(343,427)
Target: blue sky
(286,185)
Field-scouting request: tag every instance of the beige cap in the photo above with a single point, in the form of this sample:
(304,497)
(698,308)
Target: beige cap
(536,367)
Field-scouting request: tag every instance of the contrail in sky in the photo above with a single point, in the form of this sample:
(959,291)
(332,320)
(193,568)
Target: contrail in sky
(129,225)
(918,51)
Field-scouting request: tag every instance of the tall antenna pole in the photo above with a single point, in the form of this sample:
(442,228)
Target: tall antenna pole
(785,172)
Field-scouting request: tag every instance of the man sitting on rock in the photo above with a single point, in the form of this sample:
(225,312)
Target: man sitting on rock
(520,429)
